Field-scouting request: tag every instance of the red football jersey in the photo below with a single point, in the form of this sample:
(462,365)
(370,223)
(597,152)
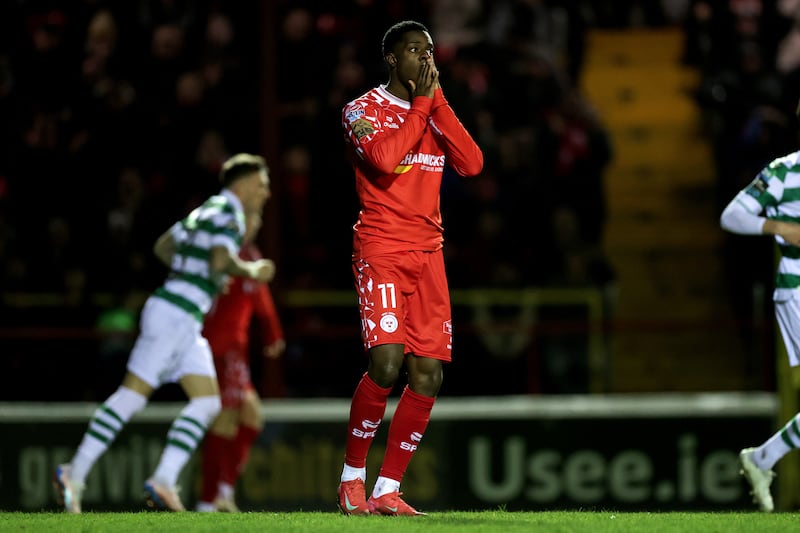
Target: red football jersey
(227,324)
(398,151)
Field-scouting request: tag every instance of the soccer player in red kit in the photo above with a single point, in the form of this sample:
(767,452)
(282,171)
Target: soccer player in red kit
(231,435)
(400,136)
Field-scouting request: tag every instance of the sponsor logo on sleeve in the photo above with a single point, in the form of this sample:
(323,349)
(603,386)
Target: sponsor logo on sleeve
(353,113)
(758,185)
(362,128)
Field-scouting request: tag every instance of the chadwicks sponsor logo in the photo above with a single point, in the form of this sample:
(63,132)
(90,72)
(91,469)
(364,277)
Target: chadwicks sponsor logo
(428,160)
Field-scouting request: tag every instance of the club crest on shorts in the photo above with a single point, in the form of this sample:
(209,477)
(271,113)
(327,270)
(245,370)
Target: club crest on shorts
(447,327)
(389,323)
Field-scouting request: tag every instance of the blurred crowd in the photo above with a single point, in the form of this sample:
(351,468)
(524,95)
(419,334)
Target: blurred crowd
(748,55)
(116,116)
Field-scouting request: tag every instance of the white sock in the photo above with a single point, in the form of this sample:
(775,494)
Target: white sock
(183,437)
(384,485)
(106,423)
(205,507)
(225,491)
(349,473)
(781,443)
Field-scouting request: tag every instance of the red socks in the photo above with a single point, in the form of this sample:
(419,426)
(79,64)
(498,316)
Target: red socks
(215,450)
(224,460)
(405,432)
(234,467)
(366,413)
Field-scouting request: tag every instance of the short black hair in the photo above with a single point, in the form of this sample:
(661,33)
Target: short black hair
(396,32)
(241,165)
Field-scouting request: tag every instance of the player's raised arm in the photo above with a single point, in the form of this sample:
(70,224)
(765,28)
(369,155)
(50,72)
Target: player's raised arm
(223,261)
(383,146)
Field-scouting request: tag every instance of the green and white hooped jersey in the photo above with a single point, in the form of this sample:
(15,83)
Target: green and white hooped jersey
(190,284)
(776,190)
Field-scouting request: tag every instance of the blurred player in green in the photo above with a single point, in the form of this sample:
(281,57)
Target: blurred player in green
(201,251)
(770,205)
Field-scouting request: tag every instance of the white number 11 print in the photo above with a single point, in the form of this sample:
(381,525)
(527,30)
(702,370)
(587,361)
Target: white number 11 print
(387,287)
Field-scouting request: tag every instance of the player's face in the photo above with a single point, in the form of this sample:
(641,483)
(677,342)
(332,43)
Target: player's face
(257,191)
(414,48)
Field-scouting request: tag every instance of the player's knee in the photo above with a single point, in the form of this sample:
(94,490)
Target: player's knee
(204,408)
(384,374)
(426,384)
(250,414)
(425,376)
(435,382)
(256,423)
(214,406)
(225,423)
(385,363)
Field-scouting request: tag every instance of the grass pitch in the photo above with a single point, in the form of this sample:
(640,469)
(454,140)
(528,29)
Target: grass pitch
(485,521)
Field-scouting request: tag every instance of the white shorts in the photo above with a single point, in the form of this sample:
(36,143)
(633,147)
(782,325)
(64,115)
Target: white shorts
(170,345)
(787,312)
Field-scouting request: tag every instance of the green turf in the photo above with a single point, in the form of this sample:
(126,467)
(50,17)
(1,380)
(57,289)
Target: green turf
(488,521)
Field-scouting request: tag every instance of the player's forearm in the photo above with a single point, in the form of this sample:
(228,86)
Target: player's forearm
(272,332)
(223,261)
(775,227)
(242,268)
(789,232)
(463,153)
(386,151)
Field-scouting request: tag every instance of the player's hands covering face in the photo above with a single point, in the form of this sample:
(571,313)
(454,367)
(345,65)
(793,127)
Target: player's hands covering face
(427,78)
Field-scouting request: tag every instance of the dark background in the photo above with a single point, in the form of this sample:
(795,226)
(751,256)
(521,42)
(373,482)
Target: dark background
(116,116)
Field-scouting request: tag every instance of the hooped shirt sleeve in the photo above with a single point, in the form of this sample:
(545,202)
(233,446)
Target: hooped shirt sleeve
(461,150)
(765,190)
(381,147)
(742,215)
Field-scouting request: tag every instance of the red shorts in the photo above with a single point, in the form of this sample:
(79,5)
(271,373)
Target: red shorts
(233,374)
(403,298)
